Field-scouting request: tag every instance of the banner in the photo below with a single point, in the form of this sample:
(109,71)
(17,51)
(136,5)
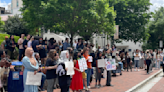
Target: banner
(110,64)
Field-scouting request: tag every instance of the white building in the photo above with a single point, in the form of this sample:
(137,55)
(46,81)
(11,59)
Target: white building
(15,6)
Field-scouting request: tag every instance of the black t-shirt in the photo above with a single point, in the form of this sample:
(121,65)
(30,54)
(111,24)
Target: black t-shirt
(51,74)
(34,44)
(25,43)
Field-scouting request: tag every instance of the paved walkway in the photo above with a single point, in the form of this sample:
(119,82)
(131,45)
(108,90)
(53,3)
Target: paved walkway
(121,83)
(158,87)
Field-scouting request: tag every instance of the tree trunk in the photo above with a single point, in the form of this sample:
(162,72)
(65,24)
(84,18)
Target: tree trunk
(71,39)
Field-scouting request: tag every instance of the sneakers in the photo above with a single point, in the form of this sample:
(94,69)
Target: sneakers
(134,69)
(84,88)
(89,87)
(99,85)
(96,86)
(138,70)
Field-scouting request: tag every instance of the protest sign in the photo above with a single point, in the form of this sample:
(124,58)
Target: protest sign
(90,59)
(101,63)
(82,64)
(110,64)
(33,79)
(70,66)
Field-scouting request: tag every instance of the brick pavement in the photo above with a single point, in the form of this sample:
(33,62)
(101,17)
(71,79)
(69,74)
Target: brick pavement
(159,87)
(121,83)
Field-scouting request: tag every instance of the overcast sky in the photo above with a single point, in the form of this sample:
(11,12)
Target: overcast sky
(156,4)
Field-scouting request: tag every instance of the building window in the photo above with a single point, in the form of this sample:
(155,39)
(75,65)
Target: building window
(17,3)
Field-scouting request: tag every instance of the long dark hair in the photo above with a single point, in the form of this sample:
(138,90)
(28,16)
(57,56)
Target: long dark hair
(98,55)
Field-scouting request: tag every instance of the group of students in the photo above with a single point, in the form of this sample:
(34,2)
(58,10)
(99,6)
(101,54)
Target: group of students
(56,70)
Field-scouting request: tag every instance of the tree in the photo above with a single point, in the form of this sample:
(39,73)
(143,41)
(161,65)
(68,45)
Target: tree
(1,24)
(15,26)
(132,16)
(155,29)
(70,16)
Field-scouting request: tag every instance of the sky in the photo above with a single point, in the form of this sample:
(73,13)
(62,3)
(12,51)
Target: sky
(156,4)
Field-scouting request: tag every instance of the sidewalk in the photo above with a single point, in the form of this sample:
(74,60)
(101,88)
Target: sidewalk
(121,83)
(158,87)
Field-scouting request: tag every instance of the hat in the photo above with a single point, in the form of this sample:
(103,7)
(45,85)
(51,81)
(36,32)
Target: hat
(6,37)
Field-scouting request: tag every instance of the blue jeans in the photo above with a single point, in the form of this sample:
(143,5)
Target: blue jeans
(89,73)
(121,64)
(43,80)
(21,52)
(136,63)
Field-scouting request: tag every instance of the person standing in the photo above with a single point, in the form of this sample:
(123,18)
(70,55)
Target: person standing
(66,44)
(29,64)
(11,46)
(89,64)
(29,44)
(77,80)
(128,61)
(137,56)
(4,44)
(42,51)
(26,41)
(152,60)
(35,45)
(79,44)
(159,59)
(21,49)
(108,56)
(51,66)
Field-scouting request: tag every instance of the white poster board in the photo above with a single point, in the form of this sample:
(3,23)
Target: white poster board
(101,63)
(70,68)
(90,59)
(33,79)
(110,64)
(82,64)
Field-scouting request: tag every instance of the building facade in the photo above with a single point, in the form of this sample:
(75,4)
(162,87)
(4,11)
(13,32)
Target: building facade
(15,6)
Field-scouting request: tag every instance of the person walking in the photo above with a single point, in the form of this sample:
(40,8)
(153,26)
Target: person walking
(21,49)
(148,60)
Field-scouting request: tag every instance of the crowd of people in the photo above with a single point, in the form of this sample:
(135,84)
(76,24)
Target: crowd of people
(38,55)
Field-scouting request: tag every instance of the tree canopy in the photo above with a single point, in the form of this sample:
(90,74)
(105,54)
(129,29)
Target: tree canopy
(82,17)
(132,16)
(1,24)
(15,26)
(155,29)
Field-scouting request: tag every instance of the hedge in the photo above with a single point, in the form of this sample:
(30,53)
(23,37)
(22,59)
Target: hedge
(2,37)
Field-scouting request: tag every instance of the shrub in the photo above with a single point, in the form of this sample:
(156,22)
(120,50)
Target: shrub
(2,37)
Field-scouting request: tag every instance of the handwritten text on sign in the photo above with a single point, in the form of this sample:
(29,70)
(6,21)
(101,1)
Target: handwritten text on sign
(110,64)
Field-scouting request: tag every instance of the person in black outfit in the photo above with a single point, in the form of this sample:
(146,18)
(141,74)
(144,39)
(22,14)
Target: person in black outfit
(148,60)
(25,42)
(128,60)
(11,46)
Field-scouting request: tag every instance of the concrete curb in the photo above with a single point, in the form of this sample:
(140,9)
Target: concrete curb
(143,82)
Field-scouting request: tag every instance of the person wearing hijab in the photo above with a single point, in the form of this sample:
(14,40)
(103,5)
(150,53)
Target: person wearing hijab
(29,65)
(64,80)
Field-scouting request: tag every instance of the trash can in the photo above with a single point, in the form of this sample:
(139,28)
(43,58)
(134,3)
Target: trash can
(15,79)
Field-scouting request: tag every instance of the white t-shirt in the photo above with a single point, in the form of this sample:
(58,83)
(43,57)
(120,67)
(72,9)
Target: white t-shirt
(155,54)
(74,45)
(137,54)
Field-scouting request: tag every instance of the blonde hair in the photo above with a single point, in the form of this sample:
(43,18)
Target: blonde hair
(51,54)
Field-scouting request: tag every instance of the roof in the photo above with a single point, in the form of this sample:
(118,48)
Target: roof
(5,18)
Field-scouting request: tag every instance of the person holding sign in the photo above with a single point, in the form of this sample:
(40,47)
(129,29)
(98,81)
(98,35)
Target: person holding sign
(108,56)
(64,79)
(51,66)
(77,80)
(98,70)
(30,65)
(88,71)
